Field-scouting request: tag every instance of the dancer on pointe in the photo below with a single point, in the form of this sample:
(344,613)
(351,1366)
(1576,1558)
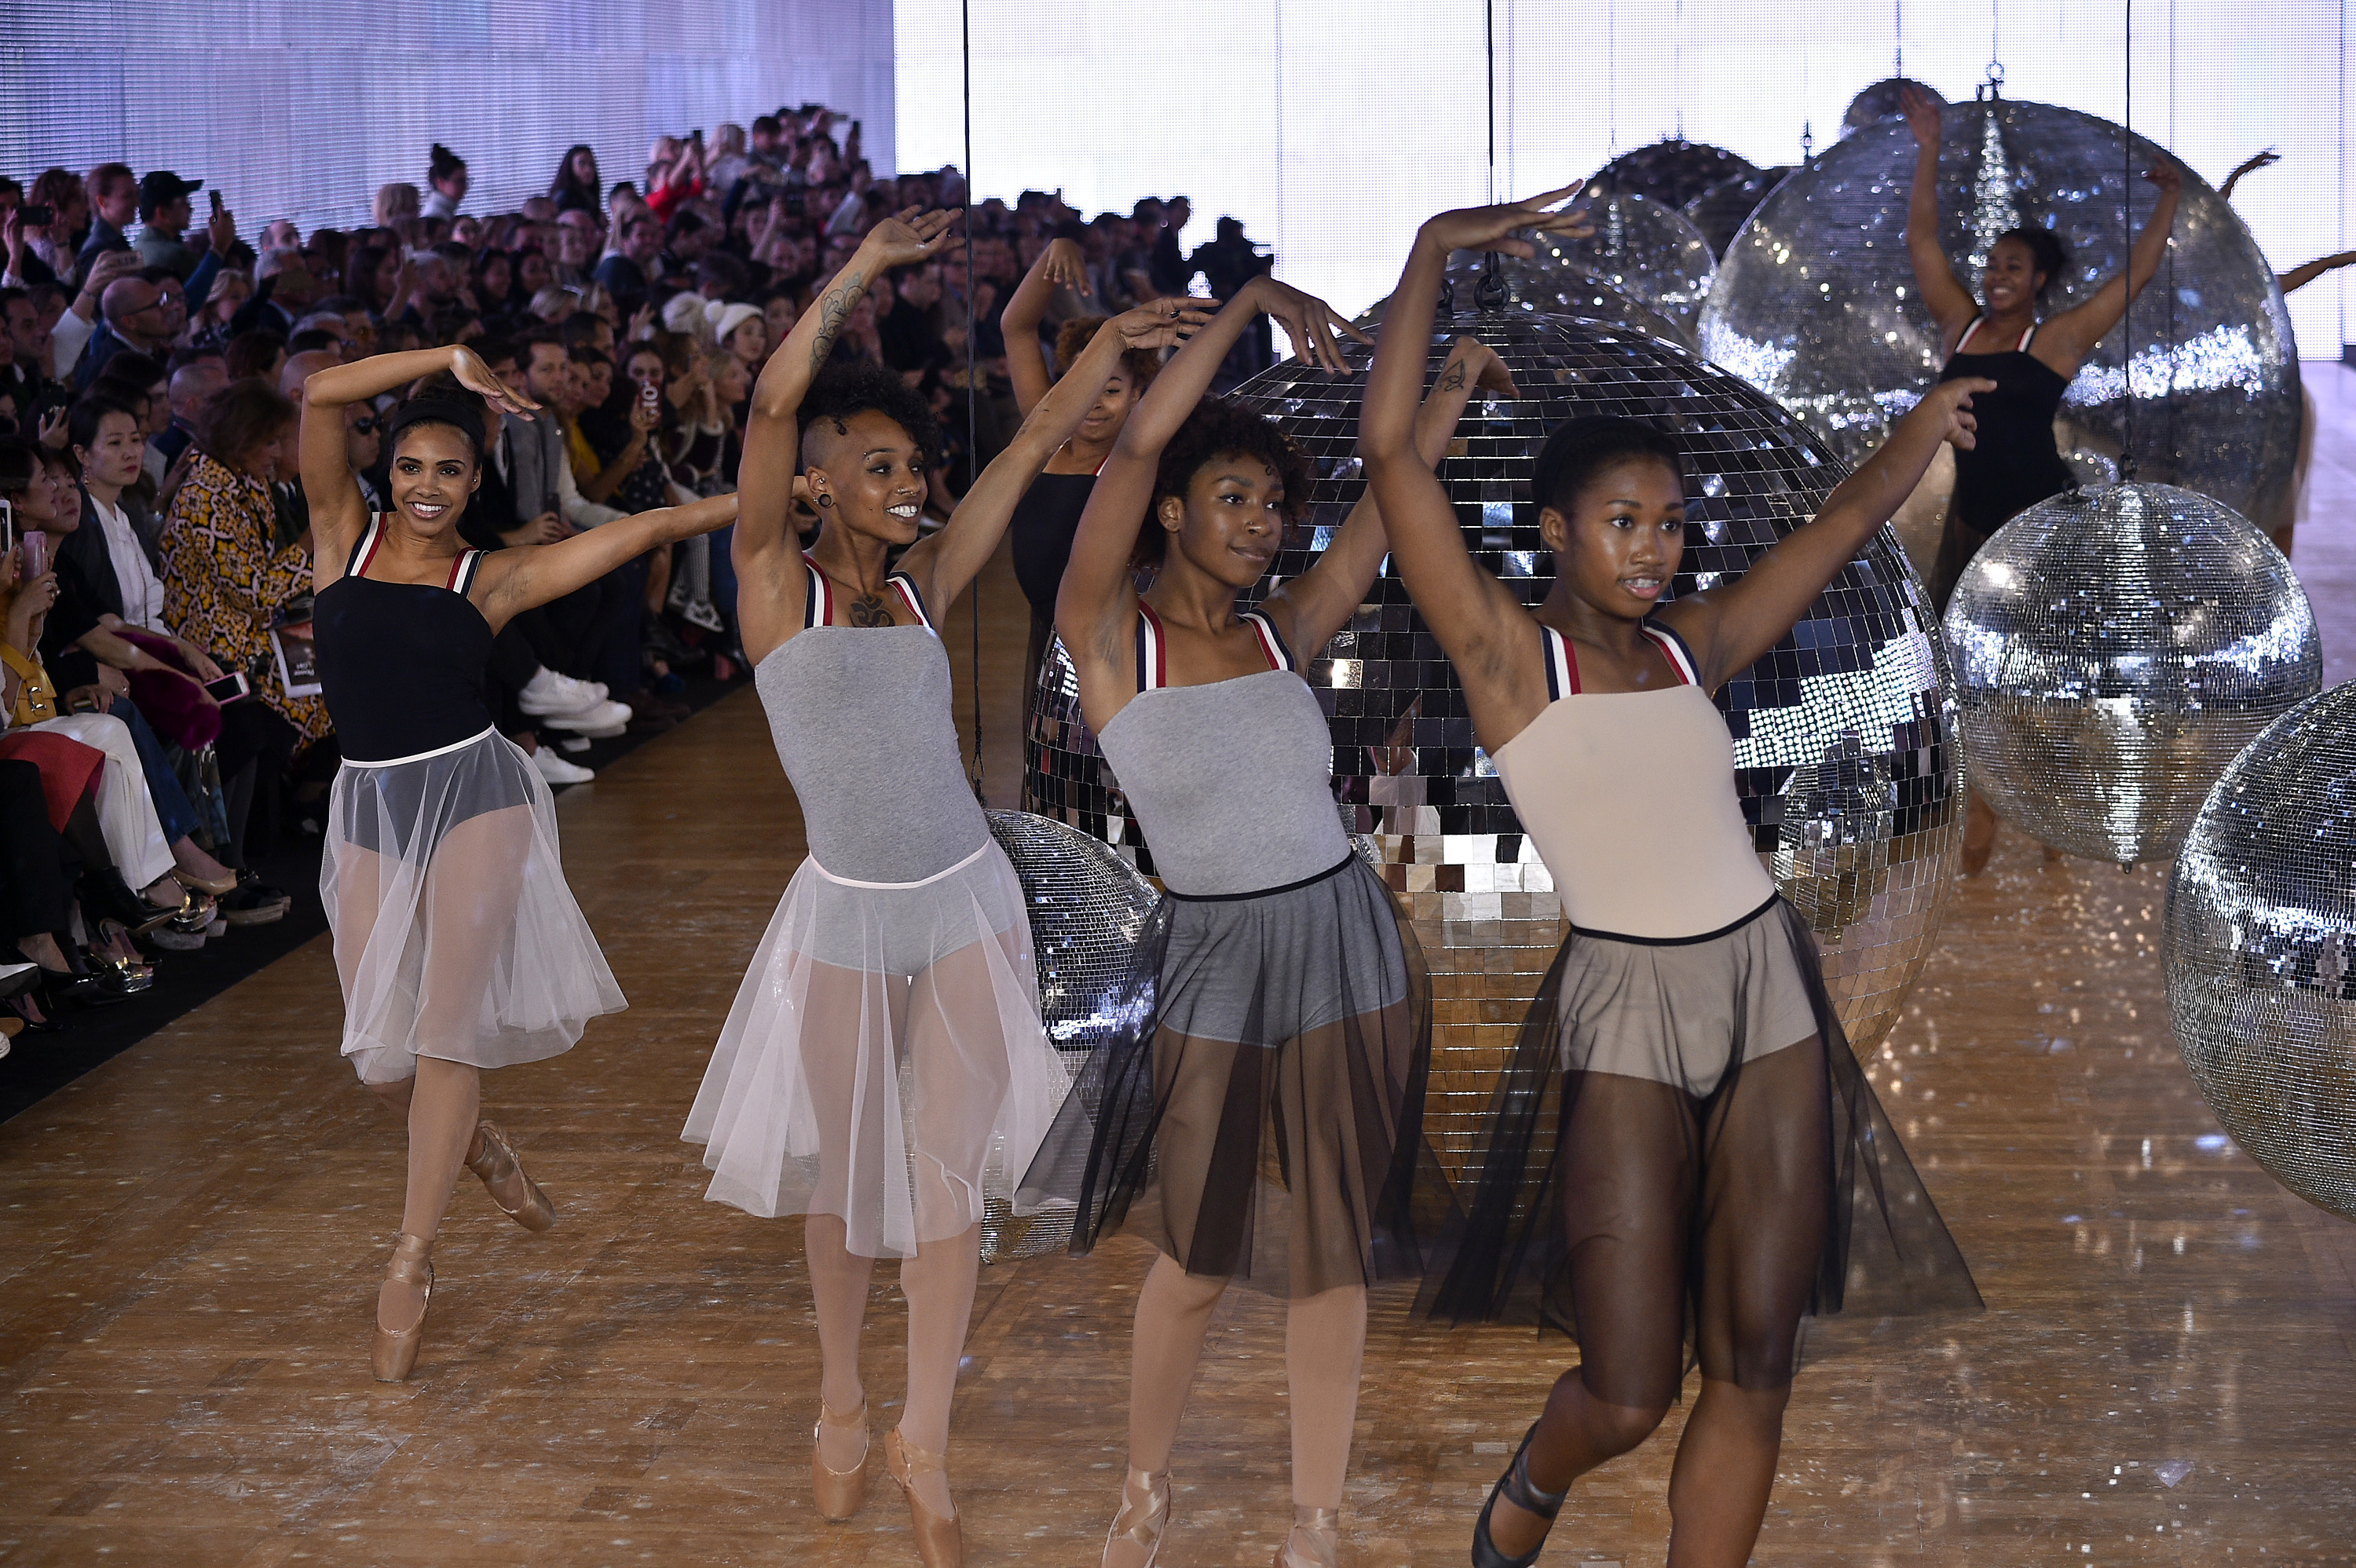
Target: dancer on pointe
(1999,338)
(884,1066)
(1679,1138)
(457,941)
(1289,1027)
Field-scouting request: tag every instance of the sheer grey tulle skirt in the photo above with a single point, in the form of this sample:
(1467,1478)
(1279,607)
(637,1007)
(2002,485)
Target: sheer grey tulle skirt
(455,933)
(883,1062)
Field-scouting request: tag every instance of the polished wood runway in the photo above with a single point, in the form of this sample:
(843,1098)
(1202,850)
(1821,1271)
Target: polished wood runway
(190,1239)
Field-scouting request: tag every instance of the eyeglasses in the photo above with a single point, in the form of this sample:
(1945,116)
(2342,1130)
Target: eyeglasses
(365,424)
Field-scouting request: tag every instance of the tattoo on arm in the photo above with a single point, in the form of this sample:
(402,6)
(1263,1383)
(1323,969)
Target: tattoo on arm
(833,312)
(1453,379)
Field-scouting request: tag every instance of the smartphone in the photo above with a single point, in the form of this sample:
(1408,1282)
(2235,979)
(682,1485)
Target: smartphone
(35,548)
(38,215)
(650,394)
(229,688)
(7,527)
(217,202)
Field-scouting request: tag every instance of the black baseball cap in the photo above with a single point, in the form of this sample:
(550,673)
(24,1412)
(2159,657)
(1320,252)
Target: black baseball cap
(162,188)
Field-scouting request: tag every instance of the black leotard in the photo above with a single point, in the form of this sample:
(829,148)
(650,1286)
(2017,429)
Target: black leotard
(401,664)
(2014,463)
(1044,523)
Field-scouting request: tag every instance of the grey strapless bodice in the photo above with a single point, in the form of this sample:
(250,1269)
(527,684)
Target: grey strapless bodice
(1233,782)
(862,724)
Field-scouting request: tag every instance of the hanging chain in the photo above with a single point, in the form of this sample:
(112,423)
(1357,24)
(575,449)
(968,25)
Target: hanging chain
(2126,225)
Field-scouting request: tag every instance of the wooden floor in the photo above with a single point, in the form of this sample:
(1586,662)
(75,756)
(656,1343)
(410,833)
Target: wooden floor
(190,1238)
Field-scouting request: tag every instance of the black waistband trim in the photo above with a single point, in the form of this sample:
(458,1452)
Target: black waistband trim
(1772,900)
(1334,871)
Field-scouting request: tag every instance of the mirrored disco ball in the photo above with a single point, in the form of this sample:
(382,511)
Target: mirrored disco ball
(1645,251)
(2261,944)
(1485,281)
(2114,648)
(1671,172)
(1721,211)
(1815,303)
(1845,747)
(1088,907)
(1882,99)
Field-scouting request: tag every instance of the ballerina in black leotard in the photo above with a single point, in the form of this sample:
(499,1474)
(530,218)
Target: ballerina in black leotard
(2016,463)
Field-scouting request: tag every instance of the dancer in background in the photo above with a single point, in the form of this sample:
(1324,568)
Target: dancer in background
(457,941)
(1679,1138)
(1289,1030)
(901,943)
(2015,463)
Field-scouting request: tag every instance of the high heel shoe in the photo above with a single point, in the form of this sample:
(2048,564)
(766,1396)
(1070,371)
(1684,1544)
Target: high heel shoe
(839,1493)
(493,1160)
(216,886)
(1515,1488)
(106,896)
(940,1543)
(1313,1541)
(395,1353)
(1138,1528)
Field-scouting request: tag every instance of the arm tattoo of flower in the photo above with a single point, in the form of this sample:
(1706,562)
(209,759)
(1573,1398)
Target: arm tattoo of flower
(833,310)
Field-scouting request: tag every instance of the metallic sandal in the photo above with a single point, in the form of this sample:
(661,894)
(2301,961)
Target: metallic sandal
(839,1493)
(1138,1527)
(1313,1541)
(493,1158)
(940,1543)
(1514,1486)
(396,1348)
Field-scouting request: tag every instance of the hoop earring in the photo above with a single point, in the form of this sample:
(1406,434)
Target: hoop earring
(824,499)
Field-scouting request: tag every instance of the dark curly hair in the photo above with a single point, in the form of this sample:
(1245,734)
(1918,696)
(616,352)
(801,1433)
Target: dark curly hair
(2046,252)
(1218,429)
(1140,365)
(842,390)
(1581,450)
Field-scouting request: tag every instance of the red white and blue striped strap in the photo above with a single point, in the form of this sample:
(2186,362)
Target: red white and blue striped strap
(1153,646)
(364,551)
(1562,664)
(817,605)
(2026,338)
(914,600)
(461,572)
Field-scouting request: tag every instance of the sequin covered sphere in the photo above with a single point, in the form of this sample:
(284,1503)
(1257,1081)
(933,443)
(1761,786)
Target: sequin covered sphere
(1088,907)
(1671,172)
(2261,934)
(1844,744)
(1645,249)
(1488,280)
(2114,648)
(1815,302)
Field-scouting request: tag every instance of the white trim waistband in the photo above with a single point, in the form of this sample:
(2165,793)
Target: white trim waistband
(436,751)
(987,846)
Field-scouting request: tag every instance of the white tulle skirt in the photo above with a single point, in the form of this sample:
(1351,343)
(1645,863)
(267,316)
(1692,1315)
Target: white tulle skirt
(883,1062)
(456,937)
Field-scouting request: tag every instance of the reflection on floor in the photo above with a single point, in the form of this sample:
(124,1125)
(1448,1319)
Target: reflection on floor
(193,1233)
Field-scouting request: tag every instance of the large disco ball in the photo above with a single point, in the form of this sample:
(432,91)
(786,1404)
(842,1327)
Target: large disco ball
(1489,281)
(1645,249)
(2114,649)
(1087,909)
(1815,303)
(1845,745)
(1880,100)
(2261,944)
(1721,211)
(1671,173)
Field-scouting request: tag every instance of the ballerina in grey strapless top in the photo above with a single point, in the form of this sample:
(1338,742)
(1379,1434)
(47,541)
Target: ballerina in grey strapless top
(1263,1123)
(884,1069)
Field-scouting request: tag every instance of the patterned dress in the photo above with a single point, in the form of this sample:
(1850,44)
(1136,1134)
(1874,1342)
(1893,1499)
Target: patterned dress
(223,583)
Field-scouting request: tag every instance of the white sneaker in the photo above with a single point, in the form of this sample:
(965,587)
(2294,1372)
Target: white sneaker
(597,718)
(557,771)
(548,692)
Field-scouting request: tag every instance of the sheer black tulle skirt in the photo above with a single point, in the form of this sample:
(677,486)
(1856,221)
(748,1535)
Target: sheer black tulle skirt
(1684,1162)
(1262,1121)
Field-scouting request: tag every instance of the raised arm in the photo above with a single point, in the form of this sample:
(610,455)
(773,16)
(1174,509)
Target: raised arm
(1730,628)
(1951,304)
(2248,166)
(1319,602)
(767,551)
(514,580)
(946,564)
(338,513)
(1482,627)
(1059,266)
(2066,340)
(1097,600)
(2305,272)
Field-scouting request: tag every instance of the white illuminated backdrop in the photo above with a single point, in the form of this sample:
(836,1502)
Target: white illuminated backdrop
(1333,126)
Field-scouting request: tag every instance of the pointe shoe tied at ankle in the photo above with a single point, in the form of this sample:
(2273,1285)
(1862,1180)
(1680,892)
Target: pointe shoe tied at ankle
(1515,1488)
(1134,1540)
(395,1353)
(940,1542)
(493,1158)
(1314,1540)
(839,1493)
